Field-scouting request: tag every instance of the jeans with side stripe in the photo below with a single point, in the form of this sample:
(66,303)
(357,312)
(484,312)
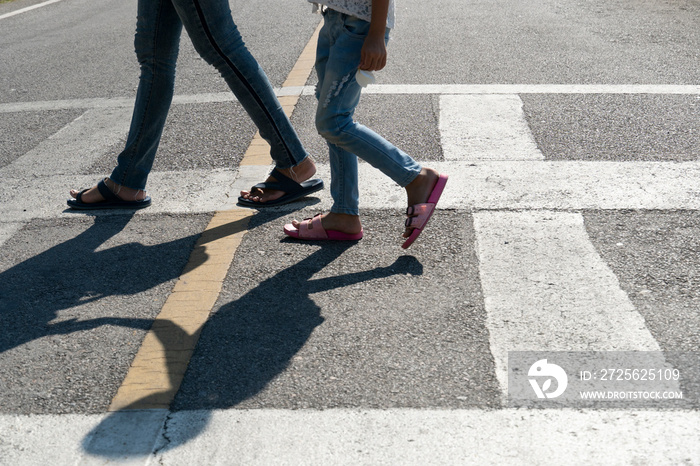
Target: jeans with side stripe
(215,36)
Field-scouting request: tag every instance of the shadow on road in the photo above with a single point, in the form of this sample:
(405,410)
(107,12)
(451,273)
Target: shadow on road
(256,335)
(75,273)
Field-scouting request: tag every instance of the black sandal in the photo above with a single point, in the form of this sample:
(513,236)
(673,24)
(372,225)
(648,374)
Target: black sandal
(291,188)
(112,201)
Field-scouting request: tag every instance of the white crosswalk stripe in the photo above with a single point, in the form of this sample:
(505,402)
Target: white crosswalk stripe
(484,185)
(540,271)
(261,437)
(569,185)
(485,127)
(75,146)
(7,229)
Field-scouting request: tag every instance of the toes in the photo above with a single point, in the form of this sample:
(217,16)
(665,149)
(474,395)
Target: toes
(255,195)
(250,197)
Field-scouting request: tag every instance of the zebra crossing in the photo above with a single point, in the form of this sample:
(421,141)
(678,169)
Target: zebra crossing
(545,288)
(488,149)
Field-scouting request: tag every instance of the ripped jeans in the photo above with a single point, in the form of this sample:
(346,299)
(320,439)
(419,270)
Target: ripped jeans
(338,93)
(215,36)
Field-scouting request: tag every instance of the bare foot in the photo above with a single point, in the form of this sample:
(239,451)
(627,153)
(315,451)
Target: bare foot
(418,191)
(338,222)
(93,195)
(302,172)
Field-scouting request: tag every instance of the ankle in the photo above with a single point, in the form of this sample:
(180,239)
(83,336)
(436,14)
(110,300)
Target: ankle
(123,192)
(342,216)
(419,188)
(301,172)
(344,222)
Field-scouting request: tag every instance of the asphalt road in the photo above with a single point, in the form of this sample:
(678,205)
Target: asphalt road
(570,131)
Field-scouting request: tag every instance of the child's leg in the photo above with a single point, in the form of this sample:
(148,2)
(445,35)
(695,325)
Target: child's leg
(344,181)
(338,57)
(344,215)
(339,94)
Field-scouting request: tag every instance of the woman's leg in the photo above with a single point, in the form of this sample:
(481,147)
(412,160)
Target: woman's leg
(215,36)
(157,41)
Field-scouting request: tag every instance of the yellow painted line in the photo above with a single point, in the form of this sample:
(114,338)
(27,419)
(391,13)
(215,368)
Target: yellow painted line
(258,152)
(302,69)
(158,367)
(157,370)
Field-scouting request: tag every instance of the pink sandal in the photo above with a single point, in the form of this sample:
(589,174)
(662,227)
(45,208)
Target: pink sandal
(419,214)
(312,229)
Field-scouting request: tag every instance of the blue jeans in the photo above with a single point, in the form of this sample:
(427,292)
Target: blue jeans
(337,60)
(216,38)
